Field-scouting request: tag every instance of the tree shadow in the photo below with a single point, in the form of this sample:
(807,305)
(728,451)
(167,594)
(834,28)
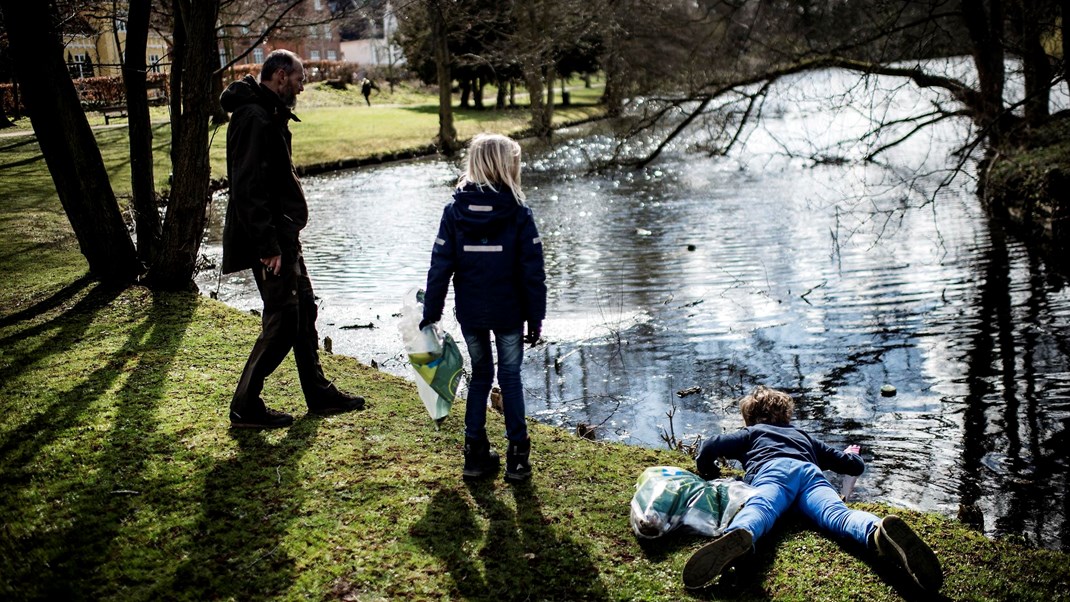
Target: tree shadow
(24,442)
(52,302)
(106,486)
(249,503)
(523,554)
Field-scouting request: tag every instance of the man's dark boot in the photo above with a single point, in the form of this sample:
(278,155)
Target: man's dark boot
(479,459)
(258,416)
(335,402)
(518,461)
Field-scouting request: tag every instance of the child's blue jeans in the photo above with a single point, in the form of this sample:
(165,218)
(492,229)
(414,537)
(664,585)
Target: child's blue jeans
(510,344)
(786,483)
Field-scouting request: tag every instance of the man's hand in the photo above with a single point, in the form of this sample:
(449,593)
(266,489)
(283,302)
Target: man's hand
(534,332)
(273,263)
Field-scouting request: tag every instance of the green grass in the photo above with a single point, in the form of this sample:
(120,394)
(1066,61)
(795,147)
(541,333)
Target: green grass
(122,481)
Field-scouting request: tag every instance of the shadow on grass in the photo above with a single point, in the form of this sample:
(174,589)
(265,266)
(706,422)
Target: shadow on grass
(22,162)
(20,142)
(248,504)
(90,493)
(524,556)
(68,326)
(46,305)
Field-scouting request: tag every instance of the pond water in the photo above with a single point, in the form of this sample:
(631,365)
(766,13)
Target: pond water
(780,264)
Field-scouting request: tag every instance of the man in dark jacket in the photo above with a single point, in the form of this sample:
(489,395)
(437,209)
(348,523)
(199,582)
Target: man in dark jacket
(265,215)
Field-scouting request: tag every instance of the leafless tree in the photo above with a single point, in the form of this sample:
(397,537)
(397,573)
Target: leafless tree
(728,53)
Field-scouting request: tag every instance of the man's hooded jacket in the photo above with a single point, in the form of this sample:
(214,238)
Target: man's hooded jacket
(267,206)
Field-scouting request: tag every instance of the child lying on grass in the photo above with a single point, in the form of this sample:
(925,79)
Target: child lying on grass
(785,465)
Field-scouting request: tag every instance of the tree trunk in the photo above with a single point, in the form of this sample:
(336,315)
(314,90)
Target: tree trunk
(466,90)
(178,63)
(536,96)
(613,67)
(1064,14)
(187,212)
(1026,18)
(548,108)
(503,92)
(4,121)
(447,135)
(142,182)
(534,70)
(219,116)
(67,142)
(477,93)
(984,22)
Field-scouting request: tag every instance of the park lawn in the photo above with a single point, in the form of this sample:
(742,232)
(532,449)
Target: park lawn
(121,479)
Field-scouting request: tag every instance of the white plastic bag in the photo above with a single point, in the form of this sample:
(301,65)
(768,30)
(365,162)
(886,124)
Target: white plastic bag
(422,345)
(434,357)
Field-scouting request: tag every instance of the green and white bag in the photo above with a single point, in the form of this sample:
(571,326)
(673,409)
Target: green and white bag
(667,497)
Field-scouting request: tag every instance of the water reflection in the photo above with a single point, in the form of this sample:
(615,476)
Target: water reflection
(827,281)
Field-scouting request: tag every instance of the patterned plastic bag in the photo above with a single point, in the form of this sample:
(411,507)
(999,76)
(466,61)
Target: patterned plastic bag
(667,497)
(434,356)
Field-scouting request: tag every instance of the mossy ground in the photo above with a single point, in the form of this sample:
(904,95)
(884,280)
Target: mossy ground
(121,479)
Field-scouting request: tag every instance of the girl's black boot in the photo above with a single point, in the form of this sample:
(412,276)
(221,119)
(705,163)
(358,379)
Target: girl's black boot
(479,459)
(517,461)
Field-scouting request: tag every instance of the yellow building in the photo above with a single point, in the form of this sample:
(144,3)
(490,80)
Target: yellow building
(94,45)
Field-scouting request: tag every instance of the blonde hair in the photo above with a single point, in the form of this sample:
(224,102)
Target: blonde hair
(493,161)
(766,406)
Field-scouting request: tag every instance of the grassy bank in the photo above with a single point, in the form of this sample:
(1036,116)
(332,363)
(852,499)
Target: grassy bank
(1027,187)
(122,481)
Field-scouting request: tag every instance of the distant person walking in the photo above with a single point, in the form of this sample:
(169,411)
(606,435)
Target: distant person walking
(488,245)
(265,215)
(366,87)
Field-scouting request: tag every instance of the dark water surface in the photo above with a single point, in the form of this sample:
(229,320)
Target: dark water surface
(825,278)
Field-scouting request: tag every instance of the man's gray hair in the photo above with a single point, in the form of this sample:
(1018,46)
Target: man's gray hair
(283,60)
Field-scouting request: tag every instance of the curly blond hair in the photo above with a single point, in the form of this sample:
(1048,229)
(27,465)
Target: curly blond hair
(766,406)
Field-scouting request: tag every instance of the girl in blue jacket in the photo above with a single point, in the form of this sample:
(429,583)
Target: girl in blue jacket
(785,464)
(488,245)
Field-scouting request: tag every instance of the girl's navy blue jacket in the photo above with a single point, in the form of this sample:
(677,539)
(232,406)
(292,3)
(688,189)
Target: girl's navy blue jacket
(758,444)
(488,244)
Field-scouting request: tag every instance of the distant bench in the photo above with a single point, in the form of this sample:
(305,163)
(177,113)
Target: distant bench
(157,97)
(113,112)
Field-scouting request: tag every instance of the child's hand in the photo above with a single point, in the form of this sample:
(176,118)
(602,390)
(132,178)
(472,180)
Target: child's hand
(852,449)
(534,333)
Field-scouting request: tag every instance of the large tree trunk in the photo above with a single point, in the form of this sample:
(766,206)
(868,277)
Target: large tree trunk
(984,22)
(142,181)
(67,142)
(187,211)
(447,135)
